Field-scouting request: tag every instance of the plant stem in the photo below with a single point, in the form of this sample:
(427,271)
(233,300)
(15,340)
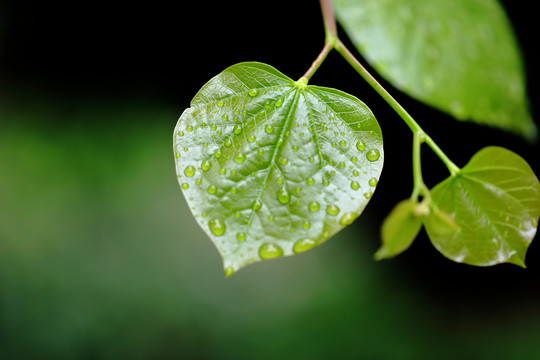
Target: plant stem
(329,19)
(411,123)
(317,63)
(419,188)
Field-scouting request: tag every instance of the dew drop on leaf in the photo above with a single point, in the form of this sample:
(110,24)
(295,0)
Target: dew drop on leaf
(241,236)
(360,146)
(355,185)
(270,251)
(239,158)
(348,218)
(303,245)
(314,206)
(217,227)
(185,186)
(189,171)
(332,210)
(256,205)
(206,165)
(269,128)
(283,195)
(253,92)
(212,189)
(373,155)
(373,182)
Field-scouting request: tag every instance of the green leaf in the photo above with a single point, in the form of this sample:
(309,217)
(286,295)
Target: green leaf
(495,203)
(272,167)
(459,56)
(399,229)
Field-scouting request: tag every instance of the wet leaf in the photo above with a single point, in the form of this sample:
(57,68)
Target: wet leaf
(460,56)
(399,230)
(495,203)
(272,167)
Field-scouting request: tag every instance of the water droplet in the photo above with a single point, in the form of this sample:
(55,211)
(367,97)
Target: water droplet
(314,206)
(279,102)
(198,181)
(252,138)
(206,165)
(295,148)
(373,182)
(220,103)
(189,128)
(355,185)
(271,218)
(356,173)
(234,190)
(332,210)
(180,133)
(348,218)
(239,158)
(270,251)
(279,180)
(228,143)
(225,117)
(306,224)
(342,143)
(189,171)
(212,189)
(241,236)
(303,245)
(185,186)
(368,195)
(217,227)
(310,181)
(373,155)
(213,127)
(342,165)
(256,205)
(312,159)
(253,92)
(284,161)
(354,159)
(229,271)
(217,154)
(360,146)
(283,195)
(326,182)
(268,128)
(237,129)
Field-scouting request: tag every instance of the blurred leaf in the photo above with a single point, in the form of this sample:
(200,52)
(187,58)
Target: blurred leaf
(459,56)
(495,202)
(272,167)
(399,229)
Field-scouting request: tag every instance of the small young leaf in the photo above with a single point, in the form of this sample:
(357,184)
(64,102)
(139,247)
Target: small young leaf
(399,230)
(459,56)
(272,167)
(495,203)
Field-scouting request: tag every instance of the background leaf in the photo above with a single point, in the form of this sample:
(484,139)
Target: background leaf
(495,202)
(272,167)
(399,230)
(459,56)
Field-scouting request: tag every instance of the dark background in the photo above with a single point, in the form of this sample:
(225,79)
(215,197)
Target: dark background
(100,258)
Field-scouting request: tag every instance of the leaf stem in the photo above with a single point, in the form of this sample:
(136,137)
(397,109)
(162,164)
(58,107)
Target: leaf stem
(328,45)
(329,19)
(419,188)
(411,123)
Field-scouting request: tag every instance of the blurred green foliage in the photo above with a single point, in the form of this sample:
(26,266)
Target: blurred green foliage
(101,259)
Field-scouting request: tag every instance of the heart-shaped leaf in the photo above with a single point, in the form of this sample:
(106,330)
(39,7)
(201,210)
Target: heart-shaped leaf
(273,167)
(459,56)
(399,229)
(495,203)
